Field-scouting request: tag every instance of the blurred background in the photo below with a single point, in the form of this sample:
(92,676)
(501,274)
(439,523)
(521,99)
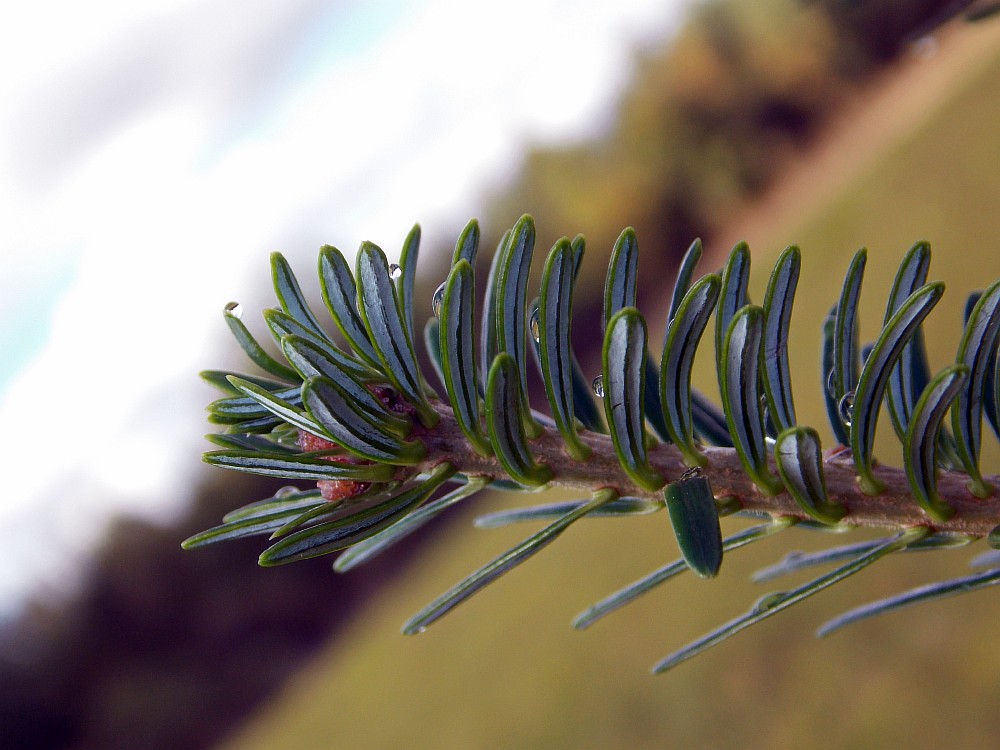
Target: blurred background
(154,154)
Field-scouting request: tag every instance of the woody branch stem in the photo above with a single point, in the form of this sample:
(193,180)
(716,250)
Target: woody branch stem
(894,507)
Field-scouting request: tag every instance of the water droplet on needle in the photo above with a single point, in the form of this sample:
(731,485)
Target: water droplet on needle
(438,299)
(846,407)
(235,309)
(533,326)
(769,601)
(395,271)
(598,385)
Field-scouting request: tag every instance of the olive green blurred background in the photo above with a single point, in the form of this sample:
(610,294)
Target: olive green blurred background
(831,125)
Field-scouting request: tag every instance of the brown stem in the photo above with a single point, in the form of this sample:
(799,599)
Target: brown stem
(893,508)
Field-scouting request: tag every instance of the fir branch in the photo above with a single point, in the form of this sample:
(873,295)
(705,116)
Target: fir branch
(893,508)
(380,443)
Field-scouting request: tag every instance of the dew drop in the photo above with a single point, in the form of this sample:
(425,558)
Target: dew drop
(395,271)
(234,309)
(285,492)
(769,601)
(533,325)
(438,299)
(845,407)
(765,418)
(831,385)
(598,385)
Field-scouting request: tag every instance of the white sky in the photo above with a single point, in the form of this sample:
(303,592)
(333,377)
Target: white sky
(151,156)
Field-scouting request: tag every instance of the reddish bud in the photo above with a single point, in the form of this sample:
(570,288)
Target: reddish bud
(333,490)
